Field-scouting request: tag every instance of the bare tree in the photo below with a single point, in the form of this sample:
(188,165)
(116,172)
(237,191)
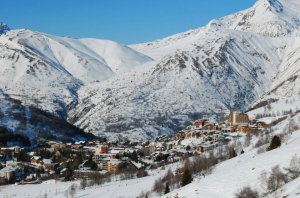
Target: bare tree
(83,184)
(143,194)
(291,126)
(158,187)
(248,140)
(276,179)
(168,176)
(72,190)
(197,160)
(294,168)
(247,192)
(141,173)
(187,164)
(263,180)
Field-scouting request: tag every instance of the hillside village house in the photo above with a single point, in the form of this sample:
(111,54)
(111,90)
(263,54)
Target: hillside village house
(12,163)
(200,123)
(35,160)
(58,146)
(48,165)
(9,172)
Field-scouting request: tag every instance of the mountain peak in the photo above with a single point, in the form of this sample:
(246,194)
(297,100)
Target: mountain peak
(3,28)
(272,5)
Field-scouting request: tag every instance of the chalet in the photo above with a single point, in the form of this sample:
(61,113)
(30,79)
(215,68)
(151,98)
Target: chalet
(31,177)
(170,145)
(180,135)
(209,127)
(58,154)
(249,129)
(49,165)
(58,146)
(207,146)
(200,123)
(35,160)
(253,121)
(261,124)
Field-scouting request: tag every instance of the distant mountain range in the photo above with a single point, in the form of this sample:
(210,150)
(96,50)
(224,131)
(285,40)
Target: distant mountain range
(145,90)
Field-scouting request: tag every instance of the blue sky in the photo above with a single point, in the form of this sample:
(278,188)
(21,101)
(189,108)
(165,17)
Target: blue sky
(125,21)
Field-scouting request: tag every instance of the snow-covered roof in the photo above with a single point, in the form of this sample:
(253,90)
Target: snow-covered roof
(36,157)
(47,161)
(9,169)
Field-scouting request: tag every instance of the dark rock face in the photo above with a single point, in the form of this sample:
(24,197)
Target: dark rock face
(3,28)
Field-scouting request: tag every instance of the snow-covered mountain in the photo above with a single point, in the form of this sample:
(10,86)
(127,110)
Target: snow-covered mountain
(40,68)
(229,63)
(272,18)
(108,88)
(206,77)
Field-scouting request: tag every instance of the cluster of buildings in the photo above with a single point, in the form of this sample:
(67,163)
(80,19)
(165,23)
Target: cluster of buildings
(200,137)
(209,135)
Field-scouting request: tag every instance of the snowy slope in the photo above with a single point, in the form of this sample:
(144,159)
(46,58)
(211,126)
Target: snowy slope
(40,68)
(108,88)
(287,83)
(199,75)
(273,18)
(86,59)
(230,63)
(232,175)
(267,17)
(115,189)
(35,123)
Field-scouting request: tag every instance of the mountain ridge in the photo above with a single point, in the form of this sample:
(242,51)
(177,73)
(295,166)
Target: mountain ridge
(233,62)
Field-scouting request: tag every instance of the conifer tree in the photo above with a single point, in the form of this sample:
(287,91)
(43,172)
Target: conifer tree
(275,143)
(167,190)
(186,178)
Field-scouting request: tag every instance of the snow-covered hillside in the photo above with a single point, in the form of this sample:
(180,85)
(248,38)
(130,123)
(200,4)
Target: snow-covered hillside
(232,175)
(40,68)
(108,88)
(230,63)
(207,76)
(35,123)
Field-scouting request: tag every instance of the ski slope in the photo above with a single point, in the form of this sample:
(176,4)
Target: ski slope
(230,176)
